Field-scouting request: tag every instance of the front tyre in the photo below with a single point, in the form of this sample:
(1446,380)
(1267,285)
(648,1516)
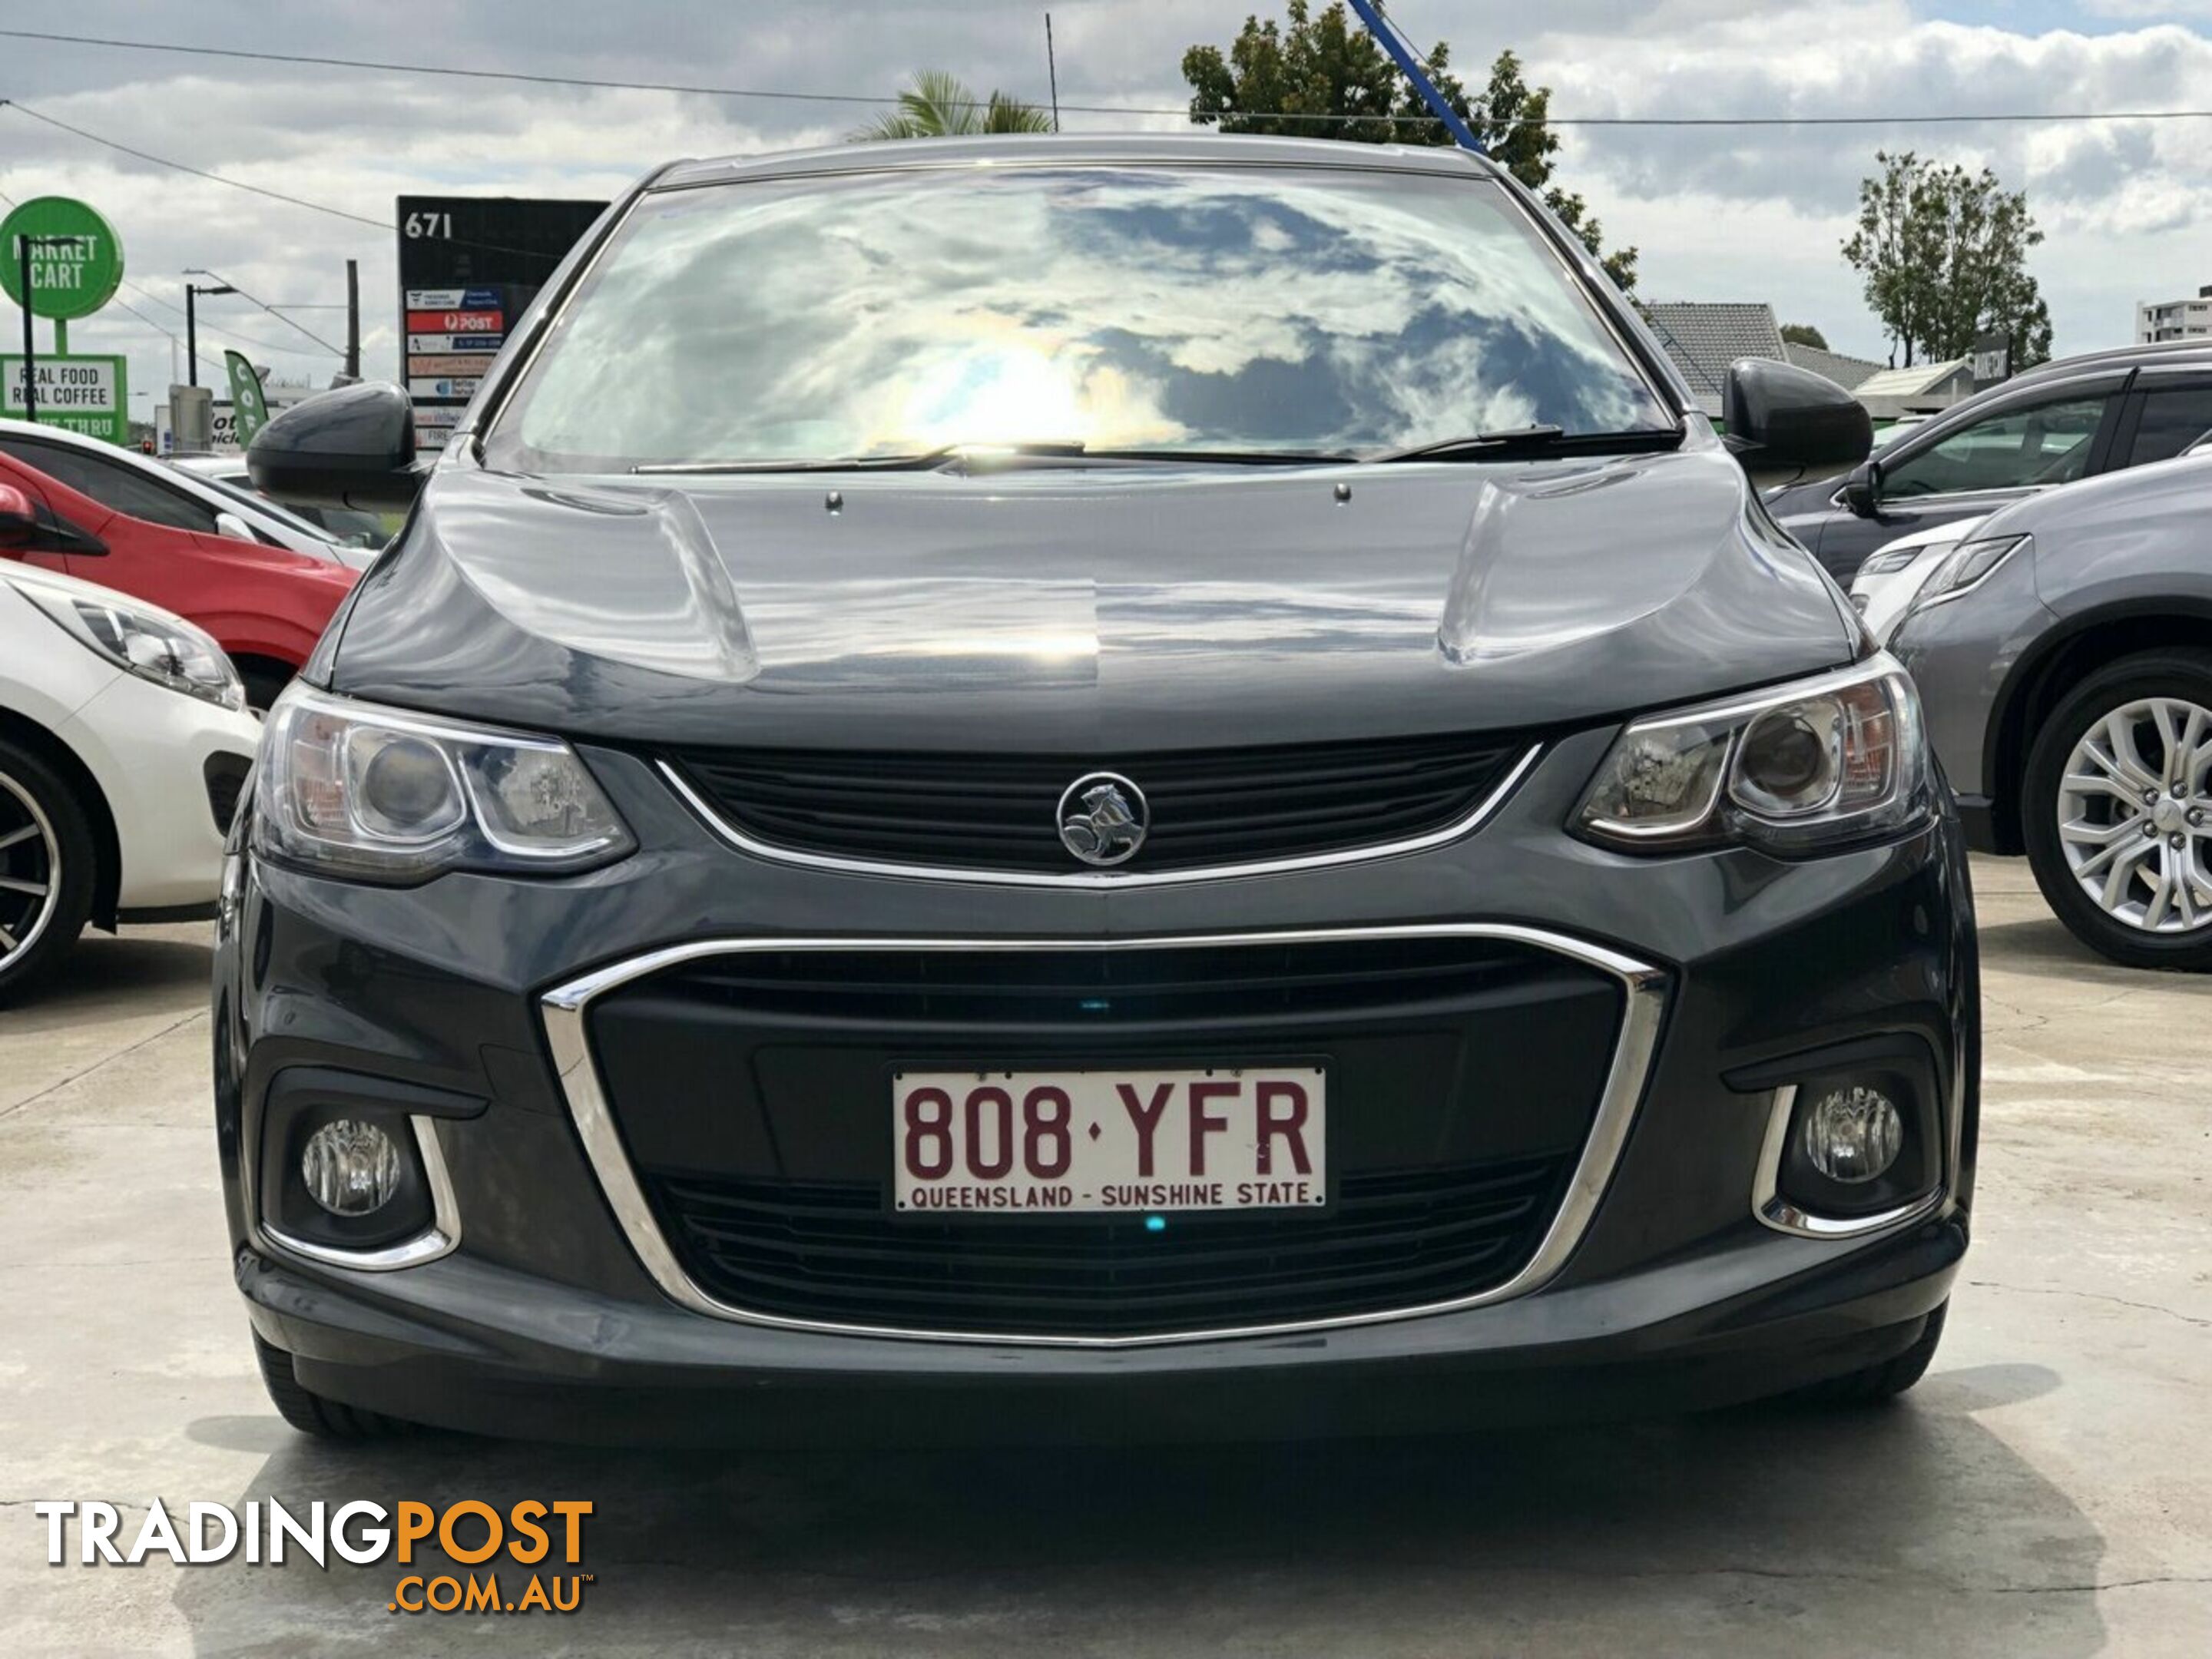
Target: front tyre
(2118,810)
(309,1411)
(1877,1383)
(47,867)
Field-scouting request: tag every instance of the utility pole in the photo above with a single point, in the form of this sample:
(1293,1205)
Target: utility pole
(1383,30)
(27,245)
(1051,68)
(353,320)
(30,338)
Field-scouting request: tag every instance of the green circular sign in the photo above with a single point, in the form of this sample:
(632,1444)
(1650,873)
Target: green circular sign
(76,258)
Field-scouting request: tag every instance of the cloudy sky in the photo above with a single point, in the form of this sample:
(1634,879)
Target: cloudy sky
(1719,213)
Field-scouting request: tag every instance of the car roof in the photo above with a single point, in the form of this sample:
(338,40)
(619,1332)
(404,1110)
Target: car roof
(2139,355)
(1146,148)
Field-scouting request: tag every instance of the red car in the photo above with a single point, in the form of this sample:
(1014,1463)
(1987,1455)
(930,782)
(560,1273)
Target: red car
(263,584)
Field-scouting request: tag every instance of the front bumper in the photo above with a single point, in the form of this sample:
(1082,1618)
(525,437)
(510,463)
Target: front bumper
(548,1310)
(165,763)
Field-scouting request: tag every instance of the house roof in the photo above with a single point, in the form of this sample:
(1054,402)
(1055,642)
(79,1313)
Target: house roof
(1704,339)
(1915,381)
(1849,373)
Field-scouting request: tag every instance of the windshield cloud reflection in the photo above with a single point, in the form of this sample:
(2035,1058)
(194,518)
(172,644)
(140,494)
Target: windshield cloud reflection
(1130,306)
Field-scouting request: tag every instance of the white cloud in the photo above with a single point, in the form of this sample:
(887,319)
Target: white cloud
(1720,213)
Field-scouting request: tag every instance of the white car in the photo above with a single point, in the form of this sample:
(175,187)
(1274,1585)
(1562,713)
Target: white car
(1894,572)
(125,741)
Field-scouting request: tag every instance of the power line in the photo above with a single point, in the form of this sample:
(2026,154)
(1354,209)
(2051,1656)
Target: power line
(384,66)
(22,109)
(202,173)
(206,327)
(273,311)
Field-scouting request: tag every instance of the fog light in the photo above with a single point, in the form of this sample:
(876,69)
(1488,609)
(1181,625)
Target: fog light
(1853,1134)
(351,1168)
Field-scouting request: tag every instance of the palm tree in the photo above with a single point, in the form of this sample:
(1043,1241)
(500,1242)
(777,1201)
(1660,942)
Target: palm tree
(940,106)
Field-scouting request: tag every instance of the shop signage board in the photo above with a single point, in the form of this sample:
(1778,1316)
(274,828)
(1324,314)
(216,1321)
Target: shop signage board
(78,392)
(469,267)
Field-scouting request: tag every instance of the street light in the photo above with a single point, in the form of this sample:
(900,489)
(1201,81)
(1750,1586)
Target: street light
(192,290)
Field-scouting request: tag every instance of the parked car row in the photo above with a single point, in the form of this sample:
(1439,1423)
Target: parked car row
(2059,422)
(144,611)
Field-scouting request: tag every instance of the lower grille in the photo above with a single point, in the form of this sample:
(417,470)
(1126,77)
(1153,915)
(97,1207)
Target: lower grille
(828,1251)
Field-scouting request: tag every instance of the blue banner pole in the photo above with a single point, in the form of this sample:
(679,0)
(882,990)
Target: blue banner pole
(1382,29)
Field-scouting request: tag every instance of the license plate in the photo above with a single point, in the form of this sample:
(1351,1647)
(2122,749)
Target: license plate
(1032,1142)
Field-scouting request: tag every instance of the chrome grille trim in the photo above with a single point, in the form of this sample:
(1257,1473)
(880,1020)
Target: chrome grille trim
(563,1011)
(1102,880)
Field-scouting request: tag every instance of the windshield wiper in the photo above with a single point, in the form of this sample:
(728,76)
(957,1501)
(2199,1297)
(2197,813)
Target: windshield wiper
(921,461)
(949,455)
(1535,441)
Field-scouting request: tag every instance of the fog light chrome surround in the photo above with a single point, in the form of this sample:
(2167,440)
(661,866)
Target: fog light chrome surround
(439,1238)
(1775,1211)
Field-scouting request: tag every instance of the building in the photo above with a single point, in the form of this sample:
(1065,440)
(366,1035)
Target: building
(1849,373)
(2175,319)
(1921,390)
(1703,339)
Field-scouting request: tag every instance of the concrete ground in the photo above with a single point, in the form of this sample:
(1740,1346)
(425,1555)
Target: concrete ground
(2047,1491)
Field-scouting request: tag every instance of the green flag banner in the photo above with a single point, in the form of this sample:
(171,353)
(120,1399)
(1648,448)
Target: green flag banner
(249,411)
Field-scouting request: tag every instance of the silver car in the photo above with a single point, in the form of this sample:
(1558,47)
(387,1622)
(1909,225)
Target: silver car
(2064,654)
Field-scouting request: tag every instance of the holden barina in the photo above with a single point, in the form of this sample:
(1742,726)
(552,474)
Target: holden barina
(1160,786)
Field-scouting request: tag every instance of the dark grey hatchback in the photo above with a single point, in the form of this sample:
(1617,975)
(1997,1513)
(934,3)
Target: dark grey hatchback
(1021,777)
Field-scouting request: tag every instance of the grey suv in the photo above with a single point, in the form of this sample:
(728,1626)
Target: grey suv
(2053,425)
(2065,657)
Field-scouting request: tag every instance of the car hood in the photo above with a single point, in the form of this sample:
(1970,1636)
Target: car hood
(1072,610)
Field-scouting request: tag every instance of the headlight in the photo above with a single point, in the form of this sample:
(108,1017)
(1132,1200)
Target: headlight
(1970,565)
(364,791)
(1798,768)
(1890,560)
(163,649)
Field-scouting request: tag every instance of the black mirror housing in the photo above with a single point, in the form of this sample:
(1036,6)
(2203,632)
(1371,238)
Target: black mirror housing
(1778,415)
(353,446)
(1862,489)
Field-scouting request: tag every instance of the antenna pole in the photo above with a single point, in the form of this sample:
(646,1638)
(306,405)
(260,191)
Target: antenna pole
(1371,13)
(1051,68)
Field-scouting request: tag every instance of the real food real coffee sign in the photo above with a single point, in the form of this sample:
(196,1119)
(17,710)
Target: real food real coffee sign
(469,267)
(79,393)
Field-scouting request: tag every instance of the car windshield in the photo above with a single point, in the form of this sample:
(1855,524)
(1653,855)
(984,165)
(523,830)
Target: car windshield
(1196,311)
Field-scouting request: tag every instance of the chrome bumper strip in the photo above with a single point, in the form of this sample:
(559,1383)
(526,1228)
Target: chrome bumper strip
(563,1011)
(1099,880)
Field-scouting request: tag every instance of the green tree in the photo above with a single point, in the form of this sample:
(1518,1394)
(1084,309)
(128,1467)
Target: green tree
(1943,254)
(1804,334)
(1321,75)
(940,106)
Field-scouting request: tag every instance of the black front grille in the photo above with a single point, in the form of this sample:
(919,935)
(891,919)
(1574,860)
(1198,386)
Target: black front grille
(1000,811)
(828,1251)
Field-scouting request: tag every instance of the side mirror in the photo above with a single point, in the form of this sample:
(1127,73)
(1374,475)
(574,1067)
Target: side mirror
(1778,415)
(354,447)
(230,525)
(19,521)
(1862,491)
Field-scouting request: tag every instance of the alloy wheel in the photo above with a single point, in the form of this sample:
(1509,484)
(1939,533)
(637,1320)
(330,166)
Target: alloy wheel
(30,870)
(2134,814)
